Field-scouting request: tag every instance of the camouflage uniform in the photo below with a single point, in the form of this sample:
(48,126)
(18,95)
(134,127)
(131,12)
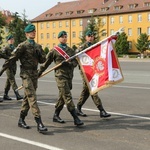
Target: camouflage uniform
(30,55)
(11,71)
(85,92)
(63,77)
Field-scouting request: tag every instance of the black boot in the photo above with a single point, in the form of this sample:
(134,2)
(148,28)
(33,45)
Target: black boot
(77,121)
(79,112)
(40,127)
(56,117)
(22,123)
(1,100)
(18,97)
(6,97)
(103,113)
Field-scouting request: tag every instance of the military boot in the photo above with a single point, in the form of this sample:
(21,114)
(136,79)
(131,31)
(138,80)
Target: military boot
(56,117)
(40,127)
(22,123)
(77,121)
(103,113)
(6,97)
(1,100)
(18,97)
(79,112)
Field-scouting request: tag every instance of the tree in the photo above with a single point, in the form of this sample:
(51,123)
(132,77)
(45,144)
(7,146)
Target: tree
(2,23)
(121,44)
(16,28)
(94,25)
(142,42)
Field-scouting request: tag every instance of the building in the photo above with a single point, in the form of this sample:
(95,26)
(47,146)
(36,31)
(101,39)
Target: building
(73,17)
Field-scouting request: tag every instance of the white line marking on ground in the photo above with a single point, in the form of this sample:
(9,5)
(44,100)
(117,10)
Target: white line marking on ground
(113,113)
(45,146)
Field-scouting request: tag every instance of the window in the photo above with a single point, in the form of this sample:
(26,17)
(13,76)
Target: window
(111,31)
(47,25)
(139,18)
(54,35)
(104,33)
(129,32)
(129,18)
(42,25)
(80,34)
(67,23)
(147,4)
(130,45)
(80,22)
(73,23)
(60,24)
(42,36)
(103,21)
(139,30)
(112,20)
(148,30)
(54,25)
(47,35)
(148,16)
(73,34)
(120,19)
(90,11)
(80,11)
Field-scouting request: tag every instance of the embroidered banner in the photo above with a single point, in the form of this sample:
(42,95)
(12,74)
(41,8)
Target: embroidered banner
(100,66)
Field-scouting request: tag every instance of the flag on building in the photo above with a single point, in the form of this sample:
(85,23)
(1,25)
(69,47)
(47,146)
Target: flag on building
(100,65)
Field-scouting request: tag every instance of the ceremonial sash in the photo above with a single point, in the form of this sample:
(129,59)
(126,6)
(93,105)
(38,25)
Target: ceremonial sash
(61,52)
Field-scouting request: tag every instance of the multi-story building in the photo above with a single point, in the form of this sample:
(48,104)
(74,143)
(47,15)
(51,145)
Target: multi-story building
(73,17)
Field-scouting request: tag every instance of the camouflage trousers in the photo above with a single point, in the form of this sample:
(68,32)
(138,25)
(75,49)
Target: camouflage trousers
(10,79)
(30,98)
(85,95)
(65,97)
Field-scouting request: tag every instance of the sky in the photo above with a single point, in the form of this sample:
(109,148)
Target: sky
(33,8)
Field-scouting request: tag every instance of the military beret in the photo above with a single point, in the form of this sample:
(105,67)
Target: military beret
(62,33)
(89,33)
(9,37)
(29,28)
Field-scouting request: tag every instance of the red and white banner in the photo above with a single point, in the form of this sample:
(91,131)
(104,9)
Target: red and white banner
(100,66)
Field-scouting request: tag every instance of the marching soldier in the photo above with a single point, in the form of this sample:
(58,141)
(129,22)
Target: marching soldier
(85,91)
(2,55)
(11,71)
(30,54)
(63,76)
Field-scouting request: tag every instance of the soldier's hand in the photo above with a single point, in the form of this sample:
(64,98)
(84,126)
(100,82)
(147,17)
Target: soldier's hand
(65,63)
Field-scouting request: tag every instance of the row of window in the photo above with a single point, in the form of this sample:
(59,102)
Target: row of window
(139,31)
(67,24)
(130,19)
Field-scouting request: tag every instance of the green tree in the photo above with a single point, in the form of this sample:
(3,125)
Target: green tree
(142,42)
(121,44)
(74,47)
(2,24)
(94,24)
(16,28)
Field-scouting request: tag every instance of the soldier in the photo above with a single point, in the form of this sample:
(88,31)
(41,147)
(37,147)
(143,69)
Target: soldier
(63,77)
(11,71)
(30,54)
(85,91)
(2,55)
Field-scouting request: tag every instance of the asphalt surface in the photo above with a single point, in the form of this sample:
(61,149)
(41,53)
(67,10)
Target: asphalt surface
(128,128)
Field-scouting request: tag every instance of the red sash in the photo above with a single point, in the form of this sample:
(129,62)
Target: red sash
(61,52)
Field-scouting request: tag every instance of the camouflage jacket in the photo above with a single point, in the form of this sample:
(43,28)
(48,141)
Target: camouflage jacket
(29,56)
(63,70)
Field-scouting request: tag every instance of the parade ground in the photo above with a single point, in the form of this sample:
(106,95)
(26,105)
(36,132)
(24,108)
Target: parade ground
(128,102)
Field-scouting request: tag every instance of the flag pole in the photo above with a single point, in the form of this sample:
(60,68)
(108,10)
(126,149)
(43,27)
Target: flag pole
(72,57)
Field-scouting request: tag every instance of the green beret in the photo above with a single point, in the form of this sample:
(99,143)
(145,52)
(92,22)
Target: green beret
(29,28)
(9,37)
(62,33)
(89,33)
